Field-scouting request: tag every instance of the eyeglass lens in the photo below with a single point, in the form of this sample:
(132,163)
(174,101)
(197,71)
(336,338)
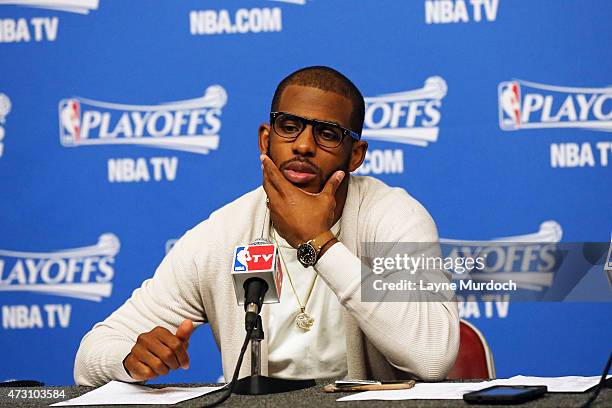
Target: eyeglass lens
(290,126)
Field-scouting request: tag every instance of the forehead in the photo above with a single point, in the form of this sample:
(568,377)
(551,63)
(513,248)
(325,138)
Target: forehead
(314,103)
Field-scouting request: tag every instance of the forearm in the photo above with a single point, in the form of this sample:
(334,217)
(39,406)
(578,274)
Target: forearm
(166,300)
(100,357)
(420,337)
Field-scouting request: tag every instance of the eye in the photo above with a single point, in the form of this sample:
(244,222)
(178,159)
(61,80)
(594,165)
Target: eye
(288,125)
(329,133)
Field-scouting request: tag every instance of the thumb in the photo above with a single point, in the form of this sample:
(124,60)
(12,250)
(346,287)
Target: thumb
(184,330)
(334,182)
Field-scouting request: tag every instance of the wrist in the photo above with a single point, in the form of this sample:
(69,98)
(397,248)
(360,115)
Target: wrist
(311,235)
(327,246)
(309,252)
(125,367)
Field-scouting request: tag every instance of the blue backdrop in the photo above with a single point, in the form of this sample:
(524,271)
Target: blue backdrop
(123,124)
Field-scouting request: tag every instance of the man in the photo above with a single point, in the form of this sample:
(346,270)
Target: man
(321,328)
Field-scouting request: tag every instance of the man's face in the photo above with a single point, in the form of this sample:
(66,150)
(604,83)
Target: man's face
(303,162)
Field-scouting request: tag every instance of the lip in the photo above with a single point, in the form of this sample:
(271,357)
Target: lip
(299,177)
(300,172)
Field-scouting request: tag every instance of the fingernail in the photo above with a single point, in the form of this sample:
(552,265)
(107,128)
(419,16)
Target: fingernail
(262,158)
(340,176)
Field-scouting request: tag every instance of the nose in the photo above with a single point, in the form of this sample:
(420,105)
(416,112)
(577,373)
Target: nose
(305,144)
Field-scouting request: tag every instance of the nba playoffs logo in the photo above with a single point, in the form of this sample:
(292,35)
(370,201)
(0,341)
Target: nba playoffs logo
(82,273)
(529,105)
(528,259)
(409,117)
(189,125)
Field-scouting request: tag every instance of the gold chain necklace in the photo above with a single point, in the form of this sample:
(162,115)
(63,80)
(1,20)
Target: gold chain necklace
(302,320)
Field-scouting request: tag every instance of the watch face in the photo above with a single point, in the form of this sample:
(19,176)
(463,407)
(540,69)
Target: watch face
(306,254)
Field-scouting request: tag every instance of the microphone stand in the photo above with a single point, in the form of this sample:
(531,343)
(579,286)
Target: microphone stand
(257,384)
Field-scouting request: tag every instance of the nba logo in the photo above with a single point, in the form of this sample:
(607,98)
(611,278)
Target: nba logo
(240,259)
(70,121)
(509,94)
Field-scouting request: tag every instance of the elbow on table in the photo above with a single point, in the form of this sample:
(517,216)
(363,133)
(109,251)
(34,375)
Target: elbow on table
(437,365)
(80,372)
(431,361)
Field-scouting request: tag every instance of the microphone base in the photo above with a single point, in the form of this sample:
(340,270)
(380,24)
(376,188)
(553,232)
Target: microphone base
(261,385)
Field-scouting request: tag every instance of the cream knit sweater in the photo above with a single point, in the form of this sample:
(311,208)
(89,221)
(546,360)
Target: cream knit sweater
(384,340)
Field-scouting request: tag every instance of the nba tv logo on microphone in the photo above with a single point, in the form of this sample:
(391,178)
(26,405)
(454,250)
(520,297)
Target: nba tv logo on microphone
(254,258)
(257,261)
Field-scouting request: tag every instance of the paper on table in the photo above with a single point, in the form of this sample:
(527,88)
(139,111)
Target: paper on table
(554,384)
(119,393)
(439,391)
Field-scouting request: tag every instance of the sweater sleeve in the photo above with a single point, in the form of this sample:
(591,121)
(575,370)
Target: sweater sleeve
(421,336)
(170,297)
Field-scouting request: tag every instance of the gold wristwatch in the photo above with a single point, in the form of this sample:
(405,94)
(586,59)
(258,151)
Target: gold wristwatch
(308,252)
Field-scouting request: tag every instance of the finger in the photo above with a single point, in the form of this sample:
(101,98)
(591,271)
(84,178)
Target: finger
(183,358)
(273,175)
(179,348)
(272,194)
(165,352)
(149,359)
(269,186)
(184,330)
(154,343)
(334,182)
(138,370)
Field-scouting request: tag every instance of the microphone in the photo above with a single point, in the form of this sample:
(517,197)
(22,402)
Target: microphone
(255,289)
(257,277)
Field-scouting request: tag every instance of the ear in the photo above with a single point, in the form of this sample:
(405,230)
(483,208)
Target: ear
(358,152)
(264,137)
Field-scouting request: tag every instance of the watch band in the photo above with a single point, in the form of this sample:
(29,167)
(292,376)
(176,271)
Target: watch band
(320,240)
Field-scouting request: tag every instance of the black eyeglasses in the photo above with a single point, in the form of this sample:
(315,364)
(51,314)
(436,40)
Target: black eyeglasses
(326,134)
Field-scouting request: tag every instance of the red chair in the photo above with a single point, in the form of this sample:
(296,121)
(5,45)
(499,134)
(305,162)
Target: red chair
(474,359)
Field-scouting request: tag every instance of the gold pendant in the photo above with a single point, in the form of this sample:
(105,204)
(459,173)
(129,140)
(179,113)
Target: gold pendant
(304,321)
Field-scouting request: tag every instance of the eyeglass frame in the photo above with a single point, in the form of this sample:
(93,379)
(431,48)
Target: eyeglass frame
(313,123)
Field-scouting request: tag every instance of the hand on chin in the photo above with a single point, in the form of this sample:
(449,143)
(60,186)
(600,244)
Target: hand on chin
(299,214)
